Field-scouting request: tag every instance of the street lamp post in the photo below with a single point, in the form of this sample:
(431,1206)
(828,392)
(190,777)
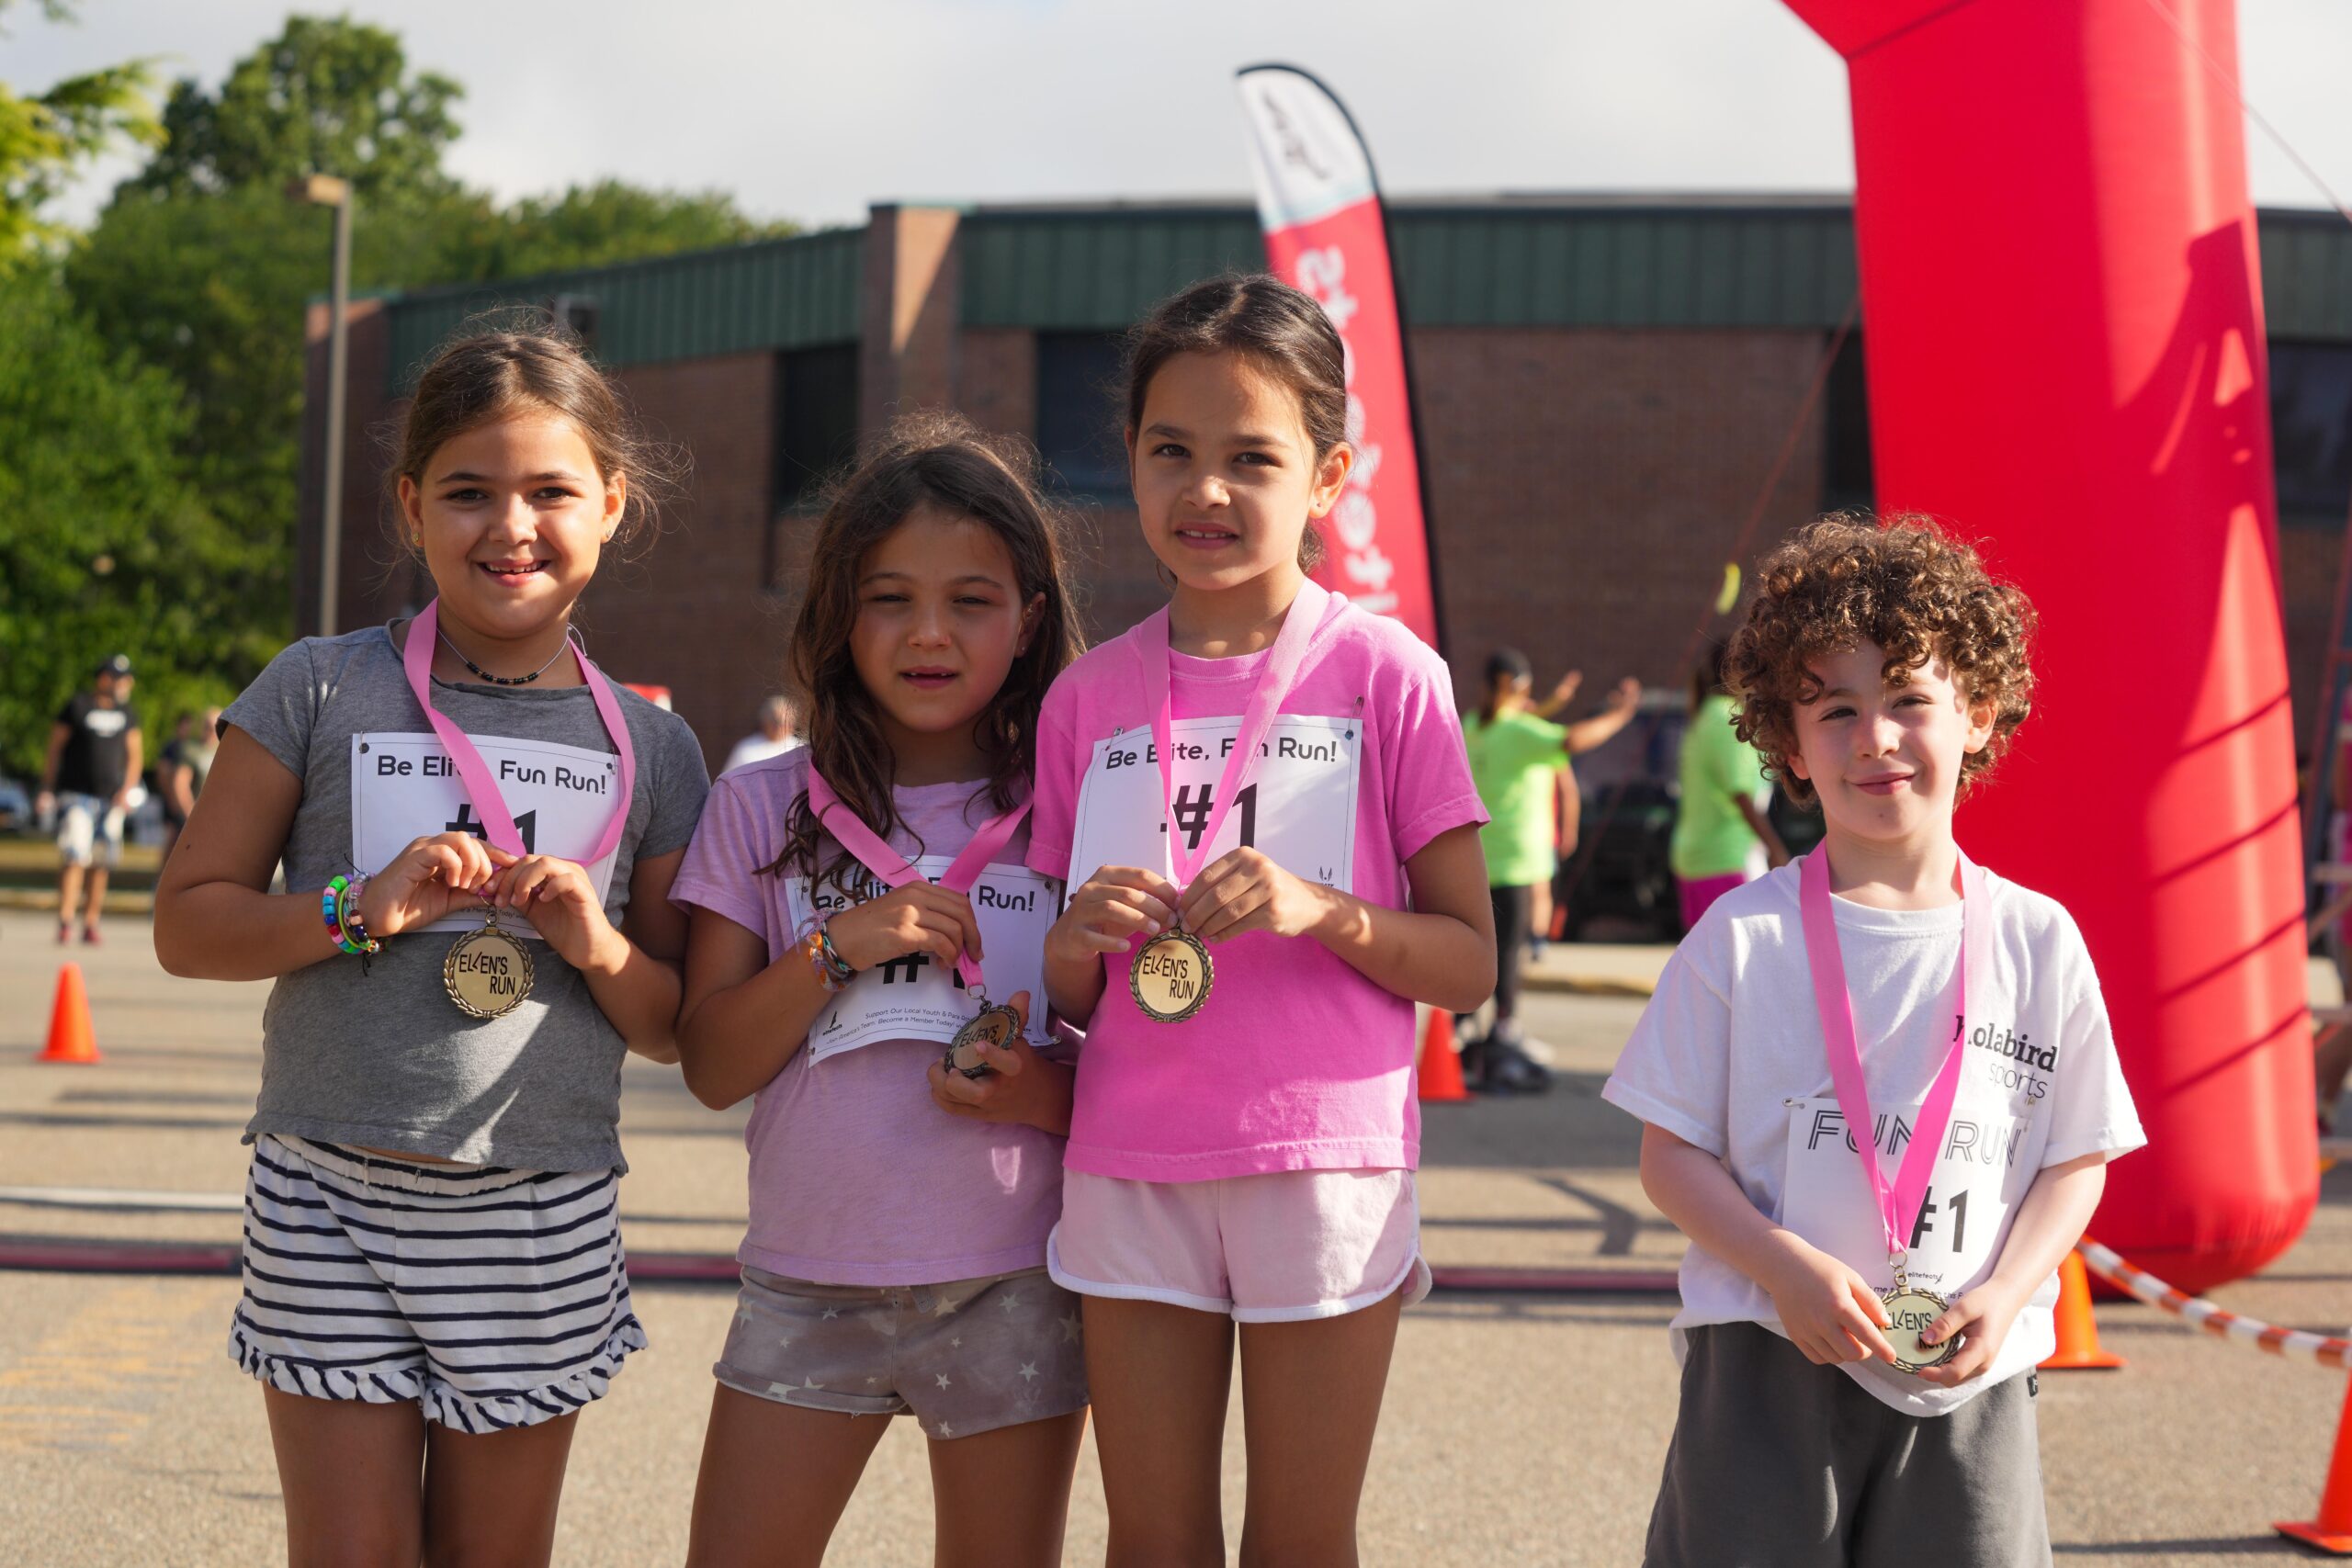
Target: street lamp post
(326,190)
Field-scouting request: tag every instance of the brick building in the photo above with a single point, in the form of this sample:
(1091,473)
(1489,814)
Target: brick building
(1607,388)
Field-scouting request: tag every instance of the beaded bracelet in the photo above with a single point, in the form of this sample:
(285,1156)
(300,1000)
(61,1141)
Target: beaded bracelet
(834,971)
(347,909)
(331,911)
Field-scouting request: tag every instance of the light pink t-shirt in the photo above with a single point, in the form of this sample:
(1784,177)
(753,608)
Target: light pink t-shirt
(1297,1062)
(856,1178)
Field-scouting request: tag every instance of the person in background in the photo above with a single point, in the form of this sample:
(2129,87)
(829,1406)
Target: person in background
(1567,813)
(779,733)
(1722,837)
(95,760)
(1515,754)
(179,774)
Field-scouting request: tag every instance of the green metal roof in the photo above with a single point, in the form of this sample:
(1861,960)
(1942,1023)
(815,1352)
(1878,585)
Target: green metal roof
(1096,268)
(1605,262)
(794,293)
(1747,261)
(1617,267)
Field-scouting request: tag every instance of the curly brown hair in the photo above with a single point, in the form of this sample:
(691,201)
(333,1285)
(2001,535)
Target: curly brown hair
(1906,585)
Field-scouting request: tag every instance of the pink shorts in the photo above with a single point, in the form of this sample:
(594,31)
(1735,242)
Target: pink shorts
(1273,1248)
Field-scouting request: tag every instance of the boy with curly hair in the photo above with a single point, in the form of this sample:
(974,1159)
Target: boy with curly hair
(1879,1091)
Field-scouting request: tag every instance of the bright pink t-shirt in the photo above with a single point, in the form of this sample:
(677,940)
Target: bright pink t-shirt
(1297,1062)
(856,1178)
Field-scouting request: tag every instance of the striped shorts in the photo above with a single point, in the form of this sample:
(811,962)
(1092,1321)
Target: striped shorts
(491,1297)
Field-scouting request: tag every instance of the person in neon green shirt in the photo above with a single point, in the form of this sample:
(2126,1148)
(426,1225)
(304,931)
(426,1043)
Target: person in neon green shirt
(1722,837)
(1517,755)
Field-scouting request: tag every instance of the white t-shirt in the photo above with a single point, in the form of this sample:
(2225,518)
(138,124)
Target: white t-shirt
(757,748)
(1729,1056)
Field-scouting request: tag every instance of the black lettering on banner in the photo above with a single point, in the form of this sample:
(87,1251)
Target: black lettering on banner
(1927,1220)
(1826,1124)
(911,963)
(1956,1206)
(1176,968)
(1962,1140)
(1192,816)
(527,826)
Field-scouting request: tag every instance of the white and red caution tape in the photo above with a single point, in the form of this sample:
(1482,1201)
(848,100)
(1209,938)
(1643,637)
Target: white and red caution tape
(2324,1349)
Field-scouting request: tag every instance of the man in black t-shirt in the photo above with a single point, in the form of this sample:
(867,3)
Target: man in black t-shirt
(95,760)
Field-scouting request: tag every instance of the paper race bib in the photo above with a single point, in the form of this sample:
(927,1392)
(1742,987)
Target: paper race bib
(917,998)
(403,787)
(1299,806)
(1980,1173)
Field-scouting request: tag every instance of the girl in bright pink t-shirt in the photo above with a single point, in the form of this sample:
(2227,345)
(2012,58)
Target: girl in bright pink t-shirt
(1251,927)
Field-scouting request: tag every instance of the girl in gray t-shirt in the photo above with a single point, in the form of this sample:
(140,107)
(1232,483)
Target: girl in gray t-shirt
(478,834)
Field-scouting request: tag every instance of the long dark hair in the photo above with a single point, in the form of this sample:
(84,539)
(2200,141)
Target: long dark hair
(944,462)
(1283,331)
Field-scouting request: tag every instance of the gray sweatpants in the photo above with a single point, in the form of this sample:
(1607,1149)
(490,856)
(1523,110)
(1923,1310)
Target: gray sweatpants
(1779,1464)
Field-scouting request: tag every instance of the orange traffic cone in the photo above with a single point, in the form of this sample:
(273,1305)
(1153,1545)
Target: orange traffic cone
(1441,1072)
(70,1037)
(2332,1531)
(2078,1349)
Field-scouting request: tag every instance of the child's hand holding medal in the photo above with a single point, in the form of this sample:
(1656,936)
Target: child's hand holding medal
(556,895)
(1982,1320)
(1014,1083)
(1246,891)
(431,879)
(1828,1310)
(1109,910)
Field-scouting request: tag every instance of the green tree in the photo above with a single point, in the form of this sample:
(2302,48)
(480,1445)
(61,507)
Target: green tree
(108,547)
(211,289)
(202,267)
(591,225)
(327,95)
(44,139)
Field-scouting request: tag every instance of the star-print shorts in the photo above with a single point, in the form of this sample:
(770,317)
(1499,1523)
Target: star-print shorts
(961,1357)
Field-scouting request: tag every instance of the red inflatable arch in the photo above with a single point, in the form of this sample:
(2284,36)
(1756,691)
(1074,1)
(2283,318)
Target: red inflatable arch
(2064,342)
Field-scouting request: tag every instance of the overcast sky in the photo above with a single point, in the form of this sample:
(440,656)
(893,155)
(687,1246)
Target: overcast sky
(811,111)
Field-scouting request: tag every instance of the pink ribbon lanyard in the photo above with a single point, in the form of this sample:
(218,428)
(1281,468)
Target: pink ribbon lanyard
(1898,1204)
(874,853)
(1274,682)
(498,823)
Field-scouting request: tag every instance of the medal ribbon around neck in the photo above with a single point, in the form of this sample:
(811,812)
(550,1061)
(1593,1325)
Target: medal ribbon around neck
(1274,682)
(892,867)
(1898,1202)
(498,823)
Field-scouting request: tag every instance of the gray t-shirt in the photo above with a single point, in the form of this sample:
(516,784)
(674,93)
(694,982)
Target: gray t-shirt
(383,1059)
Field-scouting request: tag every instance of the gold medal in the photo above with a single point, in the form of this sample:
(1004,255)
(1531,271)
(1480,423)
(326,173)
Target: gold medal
(488,973)
(1171,977)
(995,1024)
(1909,1311)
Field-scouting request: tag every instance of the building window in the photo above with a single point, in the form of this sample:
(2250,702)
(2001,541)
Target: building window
(2310,432)
(1078,431)
(816,421)
(1848,482)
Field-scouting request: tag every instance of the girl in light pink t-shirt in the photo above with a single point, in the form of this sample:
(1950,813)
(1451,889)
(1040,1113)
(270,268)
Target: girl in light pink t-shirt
(1248,1161)
(846,898)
